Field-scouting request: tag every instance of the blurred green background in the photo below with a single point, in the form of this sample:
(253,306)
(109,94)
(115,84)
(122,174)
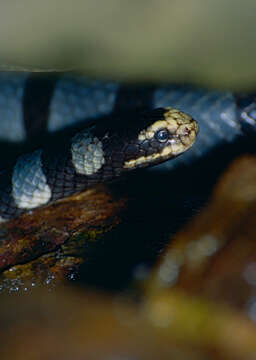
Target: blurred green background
(199,41)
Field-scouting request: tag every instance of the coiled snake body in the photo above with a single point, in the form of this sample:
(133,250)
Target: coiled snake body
(107,149)
(97,154)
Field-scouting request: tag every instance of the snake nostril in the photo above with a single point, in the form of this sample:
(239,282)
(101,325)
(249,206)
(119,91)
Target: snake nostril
(184,131)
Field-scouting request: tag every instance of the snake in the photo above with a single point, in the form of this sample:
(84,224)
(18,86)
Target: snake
(116,135)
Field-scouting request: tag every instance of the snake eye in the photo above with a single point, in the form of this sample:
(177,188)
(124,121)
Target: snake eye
(162,135)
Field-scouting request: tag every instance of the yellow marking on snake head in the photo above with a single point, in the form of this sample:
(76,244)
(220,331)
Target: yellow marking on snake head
(182,131)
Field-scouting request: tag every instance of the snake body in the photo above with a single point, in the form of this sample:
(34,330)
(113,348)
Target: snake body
(97,154)
(109,148)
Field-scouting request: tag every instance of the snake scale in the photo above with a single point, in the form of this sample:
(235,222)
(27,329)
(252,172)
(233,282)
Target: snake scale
(117,135)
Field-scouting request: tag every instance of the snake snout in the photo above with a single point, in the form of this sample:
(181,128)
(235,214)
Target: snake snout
(170,135)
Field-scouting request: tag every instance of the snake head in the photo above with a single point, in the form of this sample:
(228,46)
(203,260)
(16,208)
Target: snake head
(167,133)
